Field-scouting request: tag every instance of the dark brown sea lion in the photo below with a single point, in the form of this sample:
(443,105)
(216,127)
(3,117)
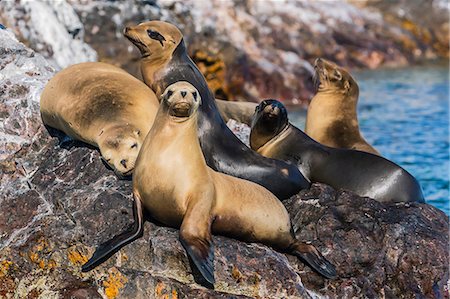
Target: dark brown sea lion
(363,173)
(165,61)
(104,106)
(331,118)
(174,184)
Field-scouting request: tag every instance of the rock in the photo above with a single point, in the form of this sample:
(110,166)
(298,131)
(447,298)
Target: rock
(58,203)
(50,27)
(252,50)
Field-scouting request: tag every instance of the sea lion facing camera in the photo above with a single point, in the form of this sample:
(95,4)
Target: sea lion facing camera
(174,184)
(363,173)
(104,106)
(331,118)
(165,61)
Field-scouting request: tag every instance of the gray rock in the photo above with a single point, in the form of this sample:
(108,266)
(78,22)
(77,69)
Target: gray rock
(50,27)
(58,203)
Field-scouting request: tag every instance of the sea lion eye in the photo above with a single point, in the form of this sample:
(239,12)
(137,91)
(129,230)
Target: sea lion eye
(169,93)
(134,145)
(194,94)
(156,35)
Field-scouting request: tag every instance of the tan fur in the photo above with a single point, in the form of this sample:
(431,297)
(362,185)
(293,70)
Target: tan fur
(161,54)
(239,111)
(101,105)
(332,119)
(180,190)
(154,55)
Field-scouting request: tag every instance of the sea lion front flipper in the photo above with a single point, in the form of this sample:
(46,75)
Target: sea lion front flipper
(314,259)
(195,236)
(107,249)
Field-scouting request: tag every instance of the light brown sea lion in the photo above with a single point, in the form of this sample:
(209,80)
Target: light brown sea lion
(239,111)
(165,61)
(332,119)
(104,106)
(174,184)
(364,173)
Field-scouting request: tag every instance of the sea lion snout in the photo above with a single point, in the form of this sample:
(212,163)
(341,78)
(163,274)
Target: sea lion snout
(182,98)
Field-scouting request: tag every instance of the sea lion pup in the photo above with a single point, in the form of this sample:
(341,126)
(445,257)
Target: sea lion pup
(165,61)
(363,173)
(331,118)
(239,111)
(173,182)
(104,106)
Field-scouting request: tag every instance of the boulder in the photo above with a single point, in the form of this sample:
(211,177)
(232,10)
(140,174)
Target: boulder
(58,203)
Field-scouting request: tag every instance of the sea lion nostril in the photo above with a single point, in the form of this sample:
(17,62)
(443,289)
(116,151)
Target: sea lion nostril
(183,93)
(124,163)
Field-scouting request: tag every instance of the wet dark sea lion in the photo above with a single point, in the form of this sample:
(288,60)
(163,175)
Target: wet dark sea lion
(332,119)
(165,61)
(174,184)
(363,173)
(104,106)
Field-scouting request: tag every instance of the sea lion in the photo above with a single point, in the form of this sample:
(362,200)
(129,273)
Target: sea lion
(239,111)
(165,61)
(104,106)
(363,173)
(331,118)
(174,184)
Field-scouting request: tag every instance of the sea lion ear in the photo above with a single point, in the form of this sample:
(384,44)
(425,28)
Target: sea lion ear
(337,75)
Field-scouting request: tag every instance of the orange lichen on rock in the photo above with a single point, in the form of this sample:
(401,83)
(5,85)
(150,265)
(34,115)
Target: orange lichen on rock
(162,293)
(76,257)
(4,267)
(236,274)
(114,283)
(214,70)
(39,255)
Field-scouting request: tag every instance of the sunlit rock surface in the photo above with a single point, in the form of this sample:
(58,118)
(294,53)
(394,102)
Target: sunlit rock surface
(247,50)
(50,27)
(58,203)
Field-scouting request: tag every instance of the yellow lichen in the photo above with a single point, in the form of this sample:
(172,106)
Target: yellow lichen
(76,257)
(114,283)
(4,267)
(162,293)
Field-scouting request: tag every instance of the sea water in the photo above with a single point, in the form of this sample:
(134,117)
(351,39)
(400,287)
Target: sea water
(404,114)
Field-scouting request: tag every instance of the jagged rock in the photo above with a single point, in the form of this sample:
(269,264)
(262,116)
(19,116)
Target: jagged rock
(255,49)
(50,27)
(58,203)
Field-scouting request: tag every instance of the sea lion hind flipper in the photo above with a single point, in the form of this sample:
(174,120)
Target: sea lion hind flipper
(309,254)
(201,252)
(107,249)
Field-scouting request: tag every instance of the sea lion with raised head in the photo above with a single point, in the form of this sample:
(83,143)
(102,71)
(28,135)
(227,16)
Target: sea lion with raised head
(174,184)
(165,61)
(104,106)
(332,119)
(363,173)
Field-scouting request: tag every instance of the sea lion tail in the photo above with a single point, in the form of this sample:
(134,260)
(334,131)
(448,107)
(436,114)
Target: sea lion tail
(311,256)
(201,253)
(107,249)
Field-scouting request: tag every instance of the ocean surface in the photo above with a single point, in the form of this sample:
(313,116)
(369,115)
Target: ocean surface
(404,113)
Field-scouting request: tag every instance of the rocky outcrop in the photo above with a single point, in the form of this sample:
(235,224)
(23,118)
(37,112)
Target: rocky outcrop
(247,50)
(264,49)
(58,203)
(52,28)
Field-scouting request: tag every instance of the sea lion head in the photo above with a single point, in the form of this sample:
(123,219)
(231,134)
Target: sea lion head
(330,77)
(155,39)
(119,146)
(269,120)
(181,100)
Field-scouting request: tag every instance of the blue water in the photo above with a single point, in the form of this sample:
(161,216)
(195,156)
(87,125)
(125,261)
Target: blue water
(404,113)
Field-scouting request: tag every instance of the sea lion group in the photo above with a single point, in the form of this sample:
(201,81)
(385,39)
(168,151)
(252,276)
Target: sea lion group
(191,172)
